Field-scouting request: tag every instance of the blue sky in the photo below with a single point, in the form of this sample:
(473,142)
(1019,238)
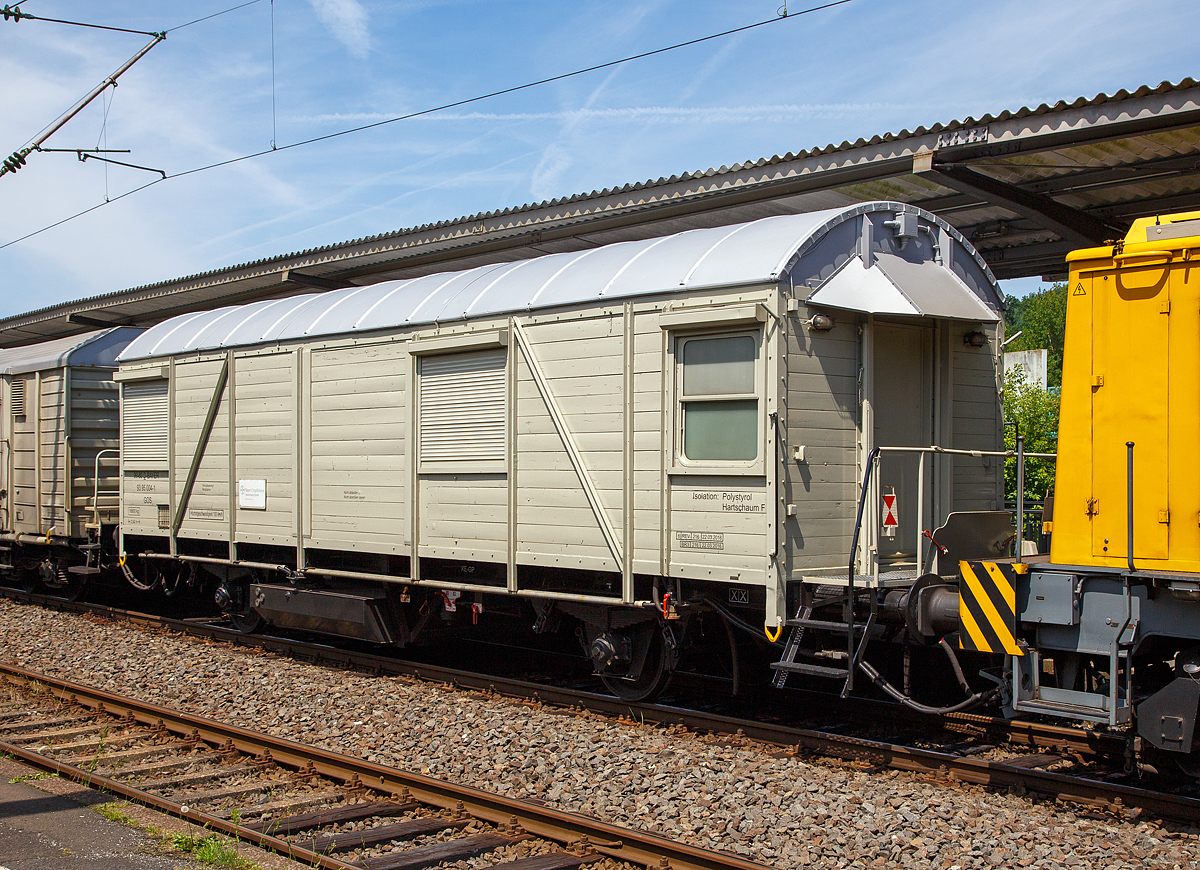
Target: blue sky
(205,95)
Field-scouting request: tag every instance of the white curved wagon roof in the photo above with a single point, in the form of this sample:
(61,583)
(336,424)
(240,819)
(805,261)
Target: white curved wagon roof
(761,251)
(99,348)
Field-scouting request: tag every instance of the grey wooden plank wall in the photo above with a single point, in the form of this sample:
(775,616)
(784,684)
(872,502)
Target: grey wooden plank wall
(208,508)
(978,421)
(822,414)
(94,427)
(358,447)
(23,489)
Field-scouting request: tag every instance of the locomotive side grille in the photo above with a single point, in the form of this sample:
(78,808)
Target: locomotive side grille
(462,407)
(144,421)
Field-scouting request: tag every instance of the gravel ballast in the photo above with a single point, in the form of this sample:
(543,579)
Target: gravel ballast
(712,792)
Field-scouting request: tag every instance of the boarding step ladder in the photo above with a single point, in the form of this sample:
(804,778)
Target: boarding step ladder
(882,573)
(1113,707)
(92,551)
(856,635)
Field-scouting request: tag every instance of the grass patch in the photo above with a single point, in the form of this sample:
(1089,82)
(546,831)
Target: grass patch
(209,849)
(113,813)
(32,777)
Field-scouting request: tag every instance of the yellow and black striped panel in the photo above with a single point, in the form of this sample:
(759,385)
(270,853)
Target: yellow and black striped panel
(987,608)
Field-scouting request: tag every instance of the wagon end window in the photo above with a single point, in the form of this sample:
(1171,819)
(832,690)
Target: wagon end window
(719,404)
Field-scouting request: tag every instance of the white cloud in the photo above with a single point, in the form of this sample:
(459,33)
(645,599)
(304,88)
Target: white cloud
(663,114)
(347,21)
(544,184)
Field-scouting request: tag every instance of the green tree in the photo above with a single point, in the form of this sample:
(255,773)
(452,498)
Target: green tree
(1041,318)
(1035,411)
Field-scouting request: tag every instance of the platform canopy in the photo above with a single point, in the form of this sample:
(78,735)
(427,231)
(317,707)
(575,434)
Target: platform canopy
(1024,185)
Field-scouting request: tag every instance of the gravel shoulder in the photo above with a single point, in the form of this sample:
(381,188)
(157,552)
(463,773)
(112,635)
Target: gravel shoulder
(713,792)
(47,822)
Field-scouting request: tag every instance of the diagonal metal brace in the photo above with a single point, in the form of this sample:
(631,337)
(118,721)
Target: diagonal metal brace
(213,404)
(564,432)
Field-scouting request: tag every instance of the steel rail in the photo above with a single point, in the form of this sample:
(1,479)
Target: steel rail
(171,808)
(1017,732)
(622,844)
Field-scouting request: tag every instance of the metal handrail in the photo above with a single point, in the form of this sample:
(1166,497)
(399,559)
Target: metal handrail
(873,463)
(96,482)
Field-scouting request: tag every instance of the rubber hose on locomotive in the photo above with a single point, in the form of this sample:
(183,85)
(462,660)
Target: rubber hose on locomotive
(897,695)
(950,654)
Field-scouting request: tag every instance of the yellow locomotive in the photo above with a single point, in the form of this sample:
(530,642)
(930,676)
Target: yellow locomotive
(1109,627)
(1131,373)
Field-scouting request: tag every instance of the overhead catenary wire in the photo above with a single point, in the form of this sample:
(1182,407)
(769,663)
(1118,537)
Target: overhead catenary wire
(17,159)
(511,90)
(214,15)
(15,13)
(433,110)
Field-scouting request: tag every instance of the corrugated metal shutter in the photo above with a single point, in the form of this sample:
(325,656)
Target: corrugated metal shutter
(462,407)
(144,421)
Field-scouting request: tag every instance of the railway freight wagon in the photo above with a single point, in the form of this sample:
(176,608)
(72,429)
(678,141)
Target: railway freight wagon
(621,436)
(58,474)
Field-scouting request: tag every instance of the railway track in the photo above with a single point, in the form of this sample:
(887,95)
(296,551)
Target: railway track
(1023,774)
(1061,739)
(324,809)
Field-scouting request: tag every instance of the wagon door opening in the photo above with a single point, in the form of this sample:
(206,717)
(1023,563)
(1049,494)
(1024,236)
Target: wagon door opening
(903,409)
(461,509)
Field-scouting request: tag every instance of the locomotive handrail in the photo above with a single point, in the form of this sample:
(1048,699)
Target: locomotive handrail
(1120,258)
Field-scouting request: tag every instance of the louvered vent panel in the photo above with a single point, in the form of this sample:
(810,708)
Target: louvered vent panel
(17,397)
(144,421)
(462,407)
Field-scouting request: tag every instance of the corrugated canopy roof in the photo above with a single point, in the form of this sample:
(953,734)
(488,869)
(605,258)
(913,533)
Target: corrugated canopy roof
(752,253)
(1026,186)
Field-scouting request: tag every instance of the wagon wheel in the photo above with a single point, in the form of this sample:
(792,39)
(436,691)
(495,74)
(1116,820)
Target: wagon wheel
(73,589)
(656,671)
(59,582)
(247,623)
(27,579)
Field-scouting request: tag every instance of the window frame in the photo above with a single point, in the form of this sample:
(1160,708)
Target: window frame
(680,462)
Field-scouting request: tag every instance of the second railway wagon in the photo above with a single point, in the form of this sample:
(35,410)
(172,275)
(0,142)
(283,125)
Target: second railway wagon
(58,428)
(621,435)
